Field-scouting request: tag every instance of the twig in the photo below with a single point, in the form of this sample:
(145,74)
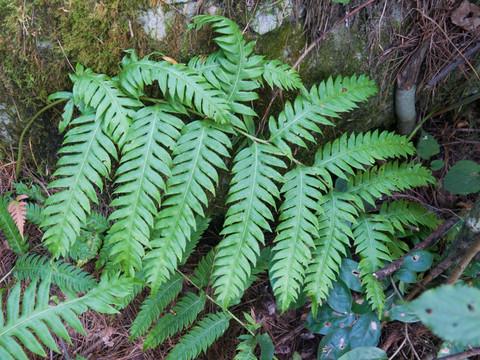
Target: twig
(410,343)
(470,253)
(452,66)
(398,349)
(429,241)
(433,274)
(25,130)
(462,355)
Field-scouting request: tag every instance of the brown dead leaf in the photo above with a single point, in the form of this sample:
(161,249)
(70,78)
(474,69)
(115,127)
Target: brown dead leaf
(467,16)
(170,60)
(18,210)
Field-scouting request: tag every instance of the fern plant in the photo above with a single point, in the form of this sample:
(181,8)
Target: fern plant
(30,320)
(171,153)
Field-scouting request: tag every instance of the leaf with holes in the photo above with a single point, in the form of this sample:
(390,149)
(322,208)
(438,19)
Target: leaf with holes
(451,312)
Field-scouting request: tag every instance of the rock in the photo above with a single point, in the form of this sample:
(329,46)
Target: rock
(271,15)
(155,22)
(5,124)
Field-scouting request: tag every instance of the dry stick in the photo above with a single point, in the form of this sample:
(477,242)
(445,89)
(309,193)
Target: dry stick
(461,356)
(429,241)
(452,66)
(309,49)
(433,274)
(471,252)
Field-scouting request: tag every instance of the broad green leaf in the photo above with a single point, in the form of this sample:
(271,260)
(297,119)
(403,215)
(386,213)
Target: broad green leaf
(418,261)
(340,298)
(451,312)
(427,146)
(365,331)
(463,178)
(350,275)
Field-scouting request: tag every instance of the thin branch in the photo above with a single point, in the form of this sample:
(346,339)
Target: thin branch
(471,252)
(429,241)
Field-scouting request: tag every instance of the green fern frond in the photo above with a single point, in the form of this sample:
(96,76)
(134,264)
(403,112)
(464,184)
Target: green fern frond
(252,191)
(153,306)
(242,67)
(281,75)
(246,348)
(299,120)
(331,245)
(374,292)
(356,151)
(298,226)
(64,275)
(200,337)
(176,81)
(404,215)
(376,182)
(202,224)
(183,314)
(113,108)
(197,155)
(34,213)
(85,160)
(203,271)
(210,68)
(145,160)
(34,192)
(371,237)
(15,240)
(33,324)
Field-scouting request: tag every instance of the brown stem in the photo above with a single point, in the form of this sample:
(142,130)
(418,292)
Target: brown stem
(429,241)
(432,275)
(471,252)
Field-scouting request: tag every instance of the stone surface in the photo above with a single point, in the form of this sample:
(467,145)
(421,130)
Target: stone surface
(155,22)
(271,15)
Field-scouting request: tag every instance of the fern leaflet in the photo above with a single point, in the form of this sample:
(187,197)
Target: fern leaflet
(113,108)
(331,245)
(200,337)
(252,191)
(346,153)
(378,181)
(66,276)
(198,153)
(281,75)
(298,226)
(176,81)
(33,324)
(86,154)
(371,236)
(299,120)
(153,306)
(144,161)
(183,315)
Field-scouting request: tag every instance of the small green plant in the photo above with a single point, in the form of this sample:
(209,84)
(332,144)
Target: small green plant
(173,132)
